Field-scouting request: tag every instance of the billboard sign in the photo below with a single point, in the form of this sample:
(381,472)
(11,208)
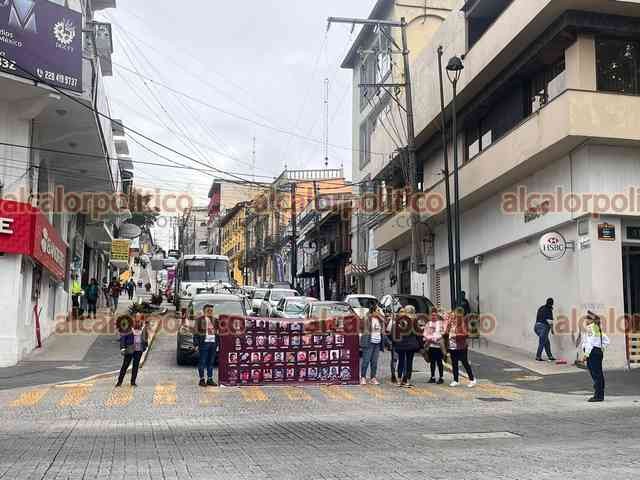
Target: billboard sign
(41,39)
(267,351)
(120,250)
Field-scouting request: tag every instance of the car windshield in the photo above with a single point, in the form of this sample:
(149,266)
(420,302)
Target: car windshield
(332,310)
(294,307)
(206,270)
(226,307)
(259,294)
(422,305)
(362,302)
(278,294)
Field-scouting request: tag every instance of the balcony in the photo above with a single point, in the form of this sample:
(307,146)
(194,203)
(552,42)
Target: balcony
(551,133)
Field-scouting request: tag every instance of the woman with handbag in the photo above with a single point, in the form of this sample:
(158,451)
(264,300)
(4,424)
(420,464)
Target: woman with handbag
(134,340)
(434,343)
(458,333)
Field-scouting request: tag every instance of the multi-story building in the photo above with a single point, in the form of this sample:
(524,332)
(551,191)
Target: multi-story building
(549,140)
(55,149)
(379,132)
(269,220)
(233,240)
(195,231)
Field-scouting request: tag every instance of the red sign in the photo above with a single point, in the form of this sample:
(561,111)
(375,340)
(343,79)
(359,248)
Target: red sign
(267,351)
(215,194)
(24,230)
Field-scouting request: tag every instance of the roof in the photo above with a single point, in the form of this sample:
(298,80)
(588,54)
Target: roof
(377,13)
(204,257)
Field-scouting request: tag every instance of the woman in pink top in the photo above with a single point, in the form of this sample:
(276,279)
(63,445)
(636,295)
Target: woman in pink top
(434,341)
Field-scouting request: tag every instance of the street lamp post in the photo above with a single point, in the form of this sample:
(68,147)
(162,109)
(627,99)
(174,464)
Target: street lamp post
(454,70)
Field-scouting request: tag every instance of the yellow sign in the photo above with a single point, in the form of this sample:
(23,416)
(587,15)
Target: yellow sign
(120,250)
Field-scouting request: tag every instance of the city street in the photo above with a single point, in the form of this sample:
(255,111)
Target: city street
(169,427)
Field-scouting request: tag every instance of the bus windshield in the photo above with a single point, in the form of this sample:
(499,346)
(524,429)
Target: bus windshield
(206,270)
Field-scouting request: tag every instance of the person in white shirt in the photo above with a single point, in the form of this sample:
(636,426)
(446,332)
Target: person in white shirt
(371,344)
(594,345)
(205,339)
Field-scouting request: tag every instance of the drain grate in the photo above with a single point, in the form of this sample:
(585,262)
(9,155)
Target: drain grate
(493,399)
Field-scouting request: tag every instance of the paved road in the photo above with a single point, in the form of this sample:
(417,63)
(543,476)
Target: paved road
(169,428)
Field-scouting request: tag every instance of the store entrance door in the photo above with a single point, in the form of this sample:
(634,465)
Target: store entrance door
(631,278)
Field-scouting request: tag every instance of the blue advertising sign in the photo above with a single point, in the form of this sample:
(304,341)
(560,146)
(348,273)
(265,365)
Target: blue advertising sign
(43,38)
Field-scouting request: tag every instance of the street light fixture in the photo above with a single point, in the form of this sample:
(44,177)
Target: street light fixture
(454,70)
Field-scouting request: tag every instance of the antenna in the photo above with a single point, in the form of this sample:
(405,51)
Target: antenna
(325,133)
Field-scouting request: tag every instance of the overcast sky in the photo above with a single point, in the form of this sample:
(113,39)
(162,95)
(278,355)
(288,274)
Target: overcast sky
(262,60)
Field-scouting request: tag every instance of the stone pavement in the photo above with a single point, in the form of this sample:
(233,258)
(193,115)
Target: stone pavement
(170,428)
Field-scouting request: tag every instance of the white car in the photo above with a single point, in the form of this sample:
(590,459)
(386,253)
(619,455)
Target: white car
(361,304)
(271,299)
(256,299)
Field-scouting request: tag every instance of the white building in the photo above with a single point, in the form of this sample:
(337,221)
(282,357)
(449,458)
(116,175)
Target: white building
(52,142)
(548,105)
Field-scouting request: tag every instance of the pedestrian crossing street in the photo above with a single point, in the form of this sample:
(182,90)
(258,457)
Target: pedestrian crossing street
(167,394)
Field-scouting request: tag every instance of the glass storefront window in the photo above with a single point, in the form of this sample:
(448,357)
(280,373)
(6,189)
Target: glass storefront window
(617,65)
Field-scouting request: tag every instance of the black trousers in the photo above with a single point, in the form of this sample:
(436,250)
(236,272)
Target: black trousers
(435,360)
(92,306)
(460,356)
(594,362)
(405,360)
(126,361)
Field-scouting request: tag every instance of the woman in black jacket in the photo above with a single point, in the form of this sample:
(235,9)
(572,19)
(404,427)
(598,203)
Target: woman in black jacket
(406,341)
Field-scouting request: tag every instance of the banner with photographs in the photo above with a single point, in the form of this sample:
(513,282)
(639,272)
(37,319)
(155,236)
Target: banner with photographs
(277,351)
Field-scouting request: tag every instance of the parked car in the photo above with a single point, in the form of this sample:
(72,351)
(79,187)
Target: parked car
(391,305)
(257,295)
(271,299)
(291,307)
(317,310)
(361,303)
(223,304)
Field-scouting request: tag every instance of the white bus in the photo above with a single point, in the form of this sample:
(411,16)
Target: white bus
(200,274)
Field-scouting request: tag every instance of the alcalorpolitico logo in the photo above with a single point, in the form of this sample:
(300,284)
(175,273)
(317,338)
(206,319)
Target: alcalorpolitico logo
(49,248)
(553,245)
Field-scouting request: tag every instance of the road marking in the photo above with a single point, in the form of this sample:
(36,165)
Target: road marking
(420,392)
(296,394)
(335,393)
(75,396)
(30,398)
(528,378)
(254,394)
(375,391)
(497,391)
(515,369)
(165,394)
(470,436)
(119,397)
(210,397)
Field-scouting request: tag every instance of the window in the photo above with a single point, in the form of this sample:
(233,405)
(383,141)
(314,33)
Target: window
(367,75)
(405,277)
(547,85)
(366,131)
(617,65)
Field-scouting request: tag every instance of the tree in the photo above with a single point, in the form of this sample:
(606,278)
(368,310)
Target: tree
(142,213)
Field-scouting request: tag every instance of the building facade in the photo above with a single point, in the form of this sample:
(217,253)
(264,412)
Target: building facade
(55,150)
(549,141)
(232,226)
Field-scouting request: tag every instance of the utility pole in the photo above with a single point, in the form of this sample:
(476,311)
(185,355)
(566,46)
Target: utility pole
(246,245)
(325,132)
(447,184)
(412,179)
(294,236)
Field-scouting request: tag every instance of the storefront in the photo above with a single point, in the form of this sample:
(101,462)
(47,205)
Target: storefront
(33,271)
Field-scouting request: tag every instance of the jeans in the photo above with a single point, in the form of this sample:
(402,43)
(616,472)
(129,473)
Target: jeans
(126,361)
(405,364)
(370,358)
(114,303)
(435,360)
(594,362)
(543,330)
(207,354)
(130,292)
(460,356)
(92,304)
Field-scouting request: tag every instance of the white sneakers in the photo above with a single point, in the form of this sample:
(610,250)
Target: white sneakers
(374,381)
(454,384)
(363,381)
(472,384)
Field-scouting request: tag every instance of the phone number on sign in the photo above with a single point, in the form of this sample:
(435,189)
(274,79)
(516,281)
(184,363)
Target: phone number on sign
(58,77)
(7,64)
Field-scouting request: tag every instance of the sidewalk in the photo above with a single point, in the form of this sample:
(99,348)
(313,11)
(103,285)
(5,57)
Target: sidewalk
(522,358)
(91,347)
